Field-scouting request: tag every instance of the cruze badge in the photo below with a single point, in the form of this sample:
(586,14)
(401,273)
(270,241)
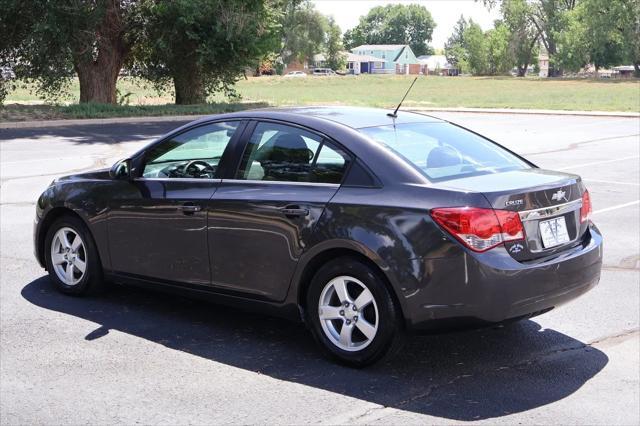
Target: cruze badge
(559,196)
(516,248)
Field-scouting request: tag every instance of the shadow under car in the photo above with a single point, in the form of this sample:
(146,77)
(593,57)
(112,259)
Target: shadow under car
(461,376)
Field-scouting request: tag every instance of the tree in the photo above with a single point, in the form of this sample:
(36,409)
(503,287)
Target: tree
(454,46)
(353,38)
(611,31)
(548,18)
(394,24)
(629,26)
(499,57)
(334,56)
(524,34)
(476,49)
(485,53)
(600,33)
(50,42)
(302,31)
(202,46)
(573,51)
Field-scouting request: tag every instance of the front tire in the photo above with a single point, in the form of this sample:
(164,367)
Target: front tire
(352,314)
(71,257)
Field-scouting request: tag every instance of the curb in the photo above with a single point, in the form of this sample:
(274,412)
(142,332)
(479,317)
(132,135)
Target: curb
(619,114)
(164,118)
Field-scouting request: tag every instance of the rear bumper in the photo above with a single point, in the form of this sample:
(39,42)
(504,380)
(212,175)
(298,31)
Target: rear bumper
(492,287)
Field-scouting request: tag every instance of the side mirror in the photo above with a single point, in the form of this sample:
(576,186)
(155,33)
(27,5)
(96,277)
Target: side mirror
(121,169)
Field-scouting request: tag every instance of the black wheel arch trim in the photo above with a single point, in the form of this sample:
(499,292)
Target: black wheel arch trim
(319,254)
(49,215)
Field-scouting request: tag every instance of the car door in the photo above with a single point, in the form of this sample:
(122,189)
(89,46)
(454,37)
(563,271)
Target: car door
(158,223)
(262,218)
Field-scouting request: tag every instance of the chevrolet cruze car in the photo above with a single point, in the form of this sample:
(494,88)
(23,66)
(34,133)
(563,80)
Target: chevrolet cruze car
(362,223)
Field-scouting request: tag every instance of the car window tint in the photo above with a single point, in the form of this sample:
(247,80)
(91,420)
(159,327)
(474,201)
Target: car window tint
(443,151)
(195,153)
(283,153)
(330,164)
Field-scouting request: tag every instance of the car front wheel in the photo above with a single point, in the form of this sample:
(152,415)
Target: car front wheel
(72,258)
(352,313)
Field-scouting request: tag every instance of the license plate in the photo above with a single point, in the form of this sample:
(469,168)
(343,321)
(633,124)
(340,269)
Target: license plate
(554,232)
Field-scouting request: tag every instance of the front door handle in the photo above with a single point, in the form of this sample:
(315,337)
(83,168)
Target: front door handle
(294,211)
(190,208)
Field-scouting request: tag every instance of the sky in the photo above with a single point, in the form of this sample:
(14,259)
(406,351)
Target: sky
(445,13)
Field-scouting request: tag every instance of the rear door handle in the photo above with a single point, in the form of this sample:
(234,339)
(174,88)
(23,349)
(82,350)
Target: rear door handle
(294,211)
(190,208)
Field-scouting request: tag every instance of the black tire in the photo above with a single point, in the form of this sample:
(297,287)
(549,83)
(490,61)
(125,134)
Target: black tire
(390,332)
(91,282)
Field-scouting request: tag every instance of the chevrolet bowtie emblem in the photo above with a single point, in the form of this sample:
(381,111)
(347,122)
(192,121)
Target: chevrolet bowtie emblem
(559,196)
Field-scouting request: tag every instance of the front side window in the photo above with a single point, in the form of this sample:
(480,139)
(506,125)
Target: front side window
(195,153)
(442,151)
(283,153)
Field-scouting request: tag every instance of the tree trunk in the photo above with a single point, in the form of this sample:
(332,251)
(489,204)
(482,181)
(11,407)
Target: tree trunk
(98,73)
(551,51)
(97,84)
(188,83)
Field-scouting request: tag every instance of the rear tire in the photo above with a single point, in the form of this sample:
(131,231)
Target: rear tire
(353,335)
(72,258)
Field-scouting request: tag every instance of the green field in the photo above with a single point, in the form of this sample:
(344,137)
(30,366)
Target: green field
(506,92)
(379,91)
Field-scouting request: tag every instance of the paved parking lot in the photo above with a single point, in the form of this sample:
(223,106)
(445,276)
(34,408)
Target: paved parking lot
(137,357)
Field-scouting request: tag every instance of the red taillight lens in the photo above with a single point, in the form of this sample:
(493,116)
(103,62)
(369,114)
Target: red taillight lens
(480,229)
(585,210)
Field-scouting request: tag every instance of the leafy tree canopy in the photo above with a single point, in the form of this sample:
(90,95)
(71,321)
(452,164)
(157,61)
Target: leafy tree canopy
(333,46)
(524,35)
(302,31)
(203,46)
(48,43)
(454,48)
(394,24)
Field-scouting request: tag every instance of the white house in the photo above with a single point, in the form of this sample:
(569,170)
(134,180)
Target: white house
(356,64)
(436,65)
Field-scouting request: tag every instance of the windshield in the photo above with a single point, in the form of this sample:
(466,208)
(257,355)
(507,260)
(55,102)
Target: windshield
(444,151)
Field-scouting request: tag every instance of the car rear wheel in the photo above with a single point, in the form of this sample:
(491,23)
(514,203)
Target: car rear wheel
(71,257)
(352,313)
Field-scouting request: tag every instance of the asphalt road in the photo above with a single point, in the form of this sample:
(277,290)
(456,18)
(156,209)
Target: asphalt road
(138,357)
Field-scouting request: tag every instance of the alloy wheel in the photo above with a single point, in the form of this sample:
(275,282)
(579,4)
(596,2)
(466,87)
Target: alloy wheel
(68,256)
(348,313)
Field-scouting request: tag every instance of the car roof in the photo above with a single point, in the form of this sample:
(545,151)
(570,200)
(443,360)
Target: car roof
(354,117)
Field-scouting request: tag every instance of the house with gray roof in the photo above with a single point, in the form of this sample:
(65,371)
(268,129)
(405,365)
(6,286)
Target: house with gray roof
(393,59)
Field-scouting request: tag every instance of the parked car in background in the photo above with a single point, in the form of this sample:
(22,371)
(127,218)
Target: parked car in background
(363,224)
(324,72)
(295,74)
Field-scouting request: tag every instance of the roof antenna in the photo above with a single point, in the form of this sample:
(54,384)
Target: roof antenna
(394,114)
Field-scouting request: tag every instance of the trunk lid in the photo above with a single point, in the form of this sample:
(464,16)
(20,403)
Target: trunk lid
(547,202)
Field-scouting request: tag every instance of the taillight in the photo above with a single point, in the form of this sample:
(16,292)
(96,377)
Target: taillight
(480,229)
(585,210)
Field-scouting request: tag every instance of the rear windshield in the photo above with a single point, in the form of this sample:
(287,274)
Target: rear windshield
(442,151)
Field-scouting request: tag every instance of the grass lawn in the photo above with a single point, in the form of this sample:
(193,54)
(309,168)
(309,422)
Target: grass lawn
(20,112)
(479,92)
(379,91)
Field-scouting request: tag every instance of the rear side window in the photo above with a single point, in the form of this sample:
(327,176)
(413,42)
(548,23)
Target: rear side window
(442,151)
(282,153)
